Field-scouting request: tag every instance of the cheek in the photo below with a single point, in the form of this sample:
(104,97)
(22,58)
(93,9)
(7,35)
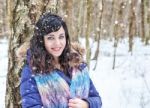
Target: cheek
(64,42)
(47,46)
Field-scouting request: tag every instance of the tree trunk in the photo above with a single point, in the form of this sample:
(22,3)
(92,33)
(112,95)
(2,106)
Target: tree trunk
(22,16)
(2,18)
(68,6)
(142,20)
(118,29)
(132,24)
(88,32)
(98,33)
(147,20)
(78,18)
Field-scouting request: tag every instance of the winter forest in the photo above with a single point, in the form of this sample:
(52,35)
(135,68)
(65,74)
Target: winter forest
(115,34)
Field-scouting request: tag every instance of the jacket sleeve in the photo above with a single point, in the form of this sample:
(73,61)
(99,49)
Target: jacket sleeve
(94,98)
(28,90)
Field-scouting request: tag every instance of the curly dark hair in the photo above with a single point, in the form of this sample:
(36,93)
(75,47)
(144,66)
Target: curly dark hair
(41,61)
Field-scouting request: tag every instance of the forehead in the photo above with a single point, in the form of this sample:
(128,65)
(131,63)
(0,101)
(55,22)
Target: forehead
(60,31)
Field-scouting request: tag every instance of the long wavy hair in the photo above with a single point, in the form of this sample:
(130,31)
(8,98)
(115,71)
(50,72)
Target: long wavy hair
(41,61)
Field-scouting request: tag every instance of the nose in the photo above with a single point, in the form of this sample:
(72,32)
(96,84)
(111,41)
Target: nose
(57,42)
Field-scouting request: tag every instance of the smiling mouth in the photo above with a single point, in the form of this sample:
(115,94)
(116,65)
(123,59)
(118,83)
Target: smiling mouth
(56,49)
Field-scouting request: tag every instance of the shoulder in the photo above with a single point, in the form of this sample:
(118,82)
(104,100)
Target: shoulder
(28,89)
(27,80)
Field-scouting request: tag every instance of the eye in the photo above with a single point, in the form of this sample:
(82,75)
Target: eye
(50,38)
(61,37)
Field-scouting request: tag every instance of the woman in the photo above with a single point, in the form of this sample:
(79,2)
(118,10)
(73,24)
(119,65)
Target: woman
(48,79)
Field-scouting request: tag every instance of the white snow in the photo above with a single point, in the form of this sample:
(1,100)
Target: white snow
(127,86)
(3,69)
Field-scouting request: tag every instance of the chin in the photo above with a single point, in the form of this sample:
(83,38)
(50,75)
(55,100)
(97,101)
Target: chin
(57,55)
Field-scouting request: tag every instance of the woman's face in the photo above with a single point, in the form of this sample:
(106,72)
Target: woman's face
(55,42)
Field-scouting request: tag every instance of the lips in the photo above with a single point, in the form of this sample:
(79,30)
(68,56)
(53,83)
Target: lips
(56,49)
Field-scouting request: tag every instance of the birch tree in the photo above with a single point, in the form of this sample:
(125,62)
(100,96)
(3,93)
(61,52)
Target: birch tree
(22,16)
(132,24)
(118,30)
(98,30)
(88,30)
(147,21)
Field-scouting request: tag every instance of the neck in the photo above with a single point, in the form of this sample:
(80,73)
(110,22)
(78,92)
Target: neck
(56,60)
(56,63)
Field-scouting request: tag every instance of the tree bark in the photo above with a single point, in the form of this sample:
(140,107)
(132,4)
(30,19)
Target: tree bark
(142,20)
(98,33)
(147,20)
(88,31)
(118,12)
(68,6)
(132,24)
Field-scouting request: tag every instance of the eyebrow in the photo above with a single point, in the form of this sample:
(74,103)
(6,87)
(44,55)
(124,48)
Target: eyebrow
(62,34)
(59,35)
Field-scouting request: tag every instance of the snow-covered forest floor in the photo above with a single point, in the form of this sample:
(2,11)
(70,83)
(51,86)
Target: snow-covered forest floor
(127,86)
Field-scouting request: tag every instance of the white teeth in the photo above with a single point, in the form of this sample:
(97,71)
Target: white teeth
(56,49)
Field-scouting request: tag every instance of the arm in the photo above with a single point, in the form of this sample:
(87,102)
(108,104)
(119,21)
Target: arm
(94,99)
(28,90)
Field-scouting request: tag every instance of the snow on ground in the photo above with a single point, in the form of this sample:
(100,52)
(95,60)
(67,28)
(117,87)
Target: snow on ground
(127,86)
(3,69)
